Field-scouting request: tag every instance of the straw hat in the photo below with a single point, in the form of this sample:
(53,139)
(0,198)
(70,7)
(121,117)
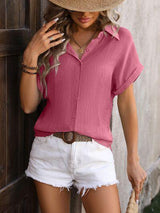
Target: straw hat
(132,206)
(87,5)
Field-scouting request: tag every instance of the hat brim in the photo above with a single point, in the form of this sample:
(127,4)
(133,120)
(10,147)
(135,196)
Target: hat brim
(87,6)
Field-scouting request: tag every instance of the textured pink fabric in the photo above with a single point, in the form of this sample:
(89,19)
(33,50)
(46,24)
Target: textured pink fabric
(80,97)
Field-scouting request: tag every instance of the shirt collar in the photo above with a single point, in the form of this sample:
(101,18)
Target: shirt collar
(109,29)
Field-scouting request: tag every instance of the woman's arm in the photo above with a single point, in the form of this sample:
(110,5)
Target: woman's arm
(28,90)
(128,114)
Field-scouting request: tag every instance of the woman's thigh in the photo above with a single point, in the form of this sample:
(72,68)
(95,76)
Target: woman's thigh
(104,199)
(51,199)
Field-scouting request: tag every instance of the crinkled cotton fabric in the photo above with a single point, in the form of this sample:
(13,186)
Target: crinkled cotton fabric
(80,97)
(84,164)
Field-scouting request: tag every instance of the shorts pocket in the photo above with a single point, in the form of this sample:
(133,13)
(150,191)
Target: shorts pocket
(104,151)
(41,140)
(39,143)
(44,149)
(99,146)
(38,139)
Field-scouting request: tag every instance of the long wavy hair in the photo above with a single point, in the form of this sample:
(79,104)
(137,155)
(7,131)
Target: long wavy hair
(64,24)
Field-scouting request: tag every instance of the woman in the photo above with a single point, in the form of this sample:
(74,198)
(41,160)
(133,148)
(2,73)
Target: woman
(79,77)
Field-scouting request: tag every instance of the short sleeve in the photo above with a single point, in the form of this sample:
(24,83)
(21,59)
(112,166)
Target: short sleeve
(128,66)
(39,84)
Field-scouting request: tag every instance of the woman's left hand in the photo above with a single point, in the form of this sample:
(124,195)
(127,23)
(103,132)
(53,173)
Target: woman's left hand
(136,175)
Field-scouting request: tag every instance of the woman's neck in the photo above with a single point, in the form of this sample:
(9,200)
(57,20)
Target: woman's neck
(82,31)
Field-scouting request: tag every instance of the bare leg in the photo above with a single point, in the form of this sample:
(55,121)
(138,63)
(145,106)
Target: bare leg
(51,199)
(104,199)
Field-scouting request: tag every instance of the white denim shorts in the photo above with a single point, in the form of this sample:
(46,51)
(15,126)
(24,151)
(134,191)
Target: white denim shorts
(82,164)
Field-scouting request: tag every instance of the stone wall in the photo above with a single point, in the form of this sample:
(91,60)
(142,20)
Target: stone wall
(142,19)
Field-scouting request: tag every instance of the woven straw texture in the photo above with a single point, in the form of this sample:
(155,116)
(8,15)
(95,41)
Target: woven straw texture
(87,5)
(132,206)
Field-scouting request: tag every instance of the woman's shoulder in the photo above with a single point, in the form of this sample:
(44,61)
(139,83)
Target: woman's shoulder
(125,34)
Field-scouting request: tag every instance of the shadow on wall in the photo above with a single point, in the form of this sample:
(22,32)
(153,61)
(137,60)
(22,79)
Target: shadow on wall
(154,206)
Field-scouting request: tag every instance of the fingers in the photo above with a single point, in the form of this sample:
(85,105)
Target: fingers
(137,180)
(51,35)
(54,37)
(46,26)
(43,40)
(53,32)
(138,186)
(56,42)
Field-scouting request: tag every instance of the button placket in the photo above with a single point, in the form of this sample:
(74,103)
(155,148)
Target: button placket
(76,92)
(77,95)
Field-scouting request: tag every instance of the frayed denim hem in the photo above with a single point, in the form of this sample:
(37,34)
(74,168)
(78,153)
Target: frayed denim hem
(61,186)
(80,186)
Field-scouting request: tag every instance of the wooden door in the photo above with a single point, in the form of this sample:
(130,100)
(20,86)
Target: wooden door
(19,19)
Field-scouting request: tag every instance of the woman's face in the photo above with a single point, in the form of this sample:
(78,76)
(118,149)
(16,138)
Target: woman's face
(84,19)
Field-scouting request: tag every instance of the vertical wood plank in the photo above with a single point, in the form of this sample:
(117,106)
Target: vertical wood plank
(12,14)
(2,14)
(12,118)
(22,13)
(2,122)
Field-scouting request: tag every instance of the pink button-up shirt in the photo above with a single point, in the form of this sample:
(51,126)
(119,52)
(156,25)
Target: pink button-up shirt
(80,96)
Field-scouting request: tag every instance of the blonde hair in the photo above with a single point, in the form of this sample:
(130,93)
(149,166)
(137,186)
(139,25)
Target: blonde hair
(64,24)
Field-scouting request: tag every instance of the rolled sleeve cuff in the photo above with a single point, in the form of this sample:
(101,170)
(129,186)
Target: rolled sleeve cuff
(130,80)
